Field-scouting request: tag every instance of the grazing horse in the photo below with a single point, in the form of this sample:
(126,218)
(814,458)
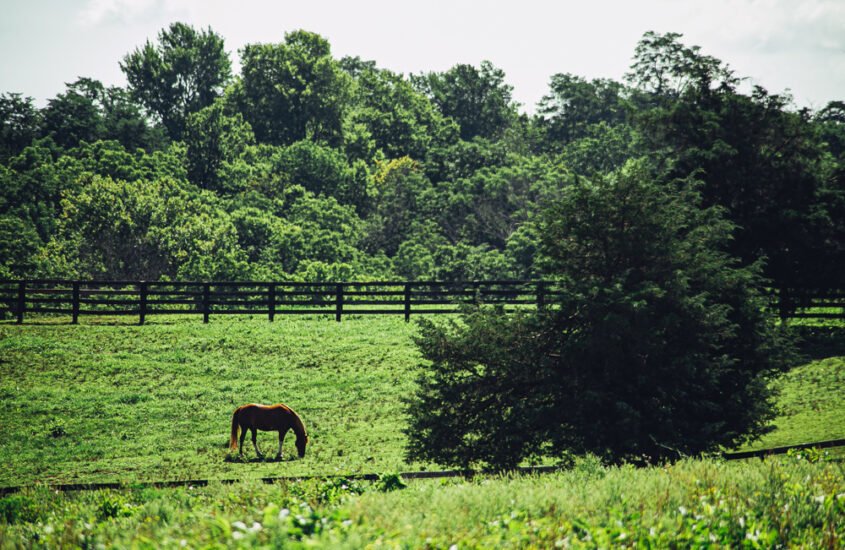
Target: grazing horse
(271,418)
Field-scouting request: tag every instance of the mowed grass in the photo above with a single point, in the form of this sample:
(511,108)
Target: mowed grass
(111,401)
(811,405)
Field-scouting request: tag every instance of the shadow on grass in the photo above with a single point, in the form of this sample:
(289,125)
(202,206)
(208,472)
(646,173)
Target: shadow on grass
(236,459)
(820,342)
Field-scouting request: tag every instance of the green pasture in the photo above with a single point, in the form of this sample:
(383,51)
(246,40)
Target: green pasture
(107,400)
(118,402)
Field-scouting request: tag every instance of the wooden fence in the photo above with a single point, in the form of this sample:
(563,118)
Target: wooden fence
(141,298)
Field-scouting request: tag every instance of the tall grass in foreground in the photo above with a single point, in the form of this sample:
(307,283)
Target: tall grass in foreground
(695,503)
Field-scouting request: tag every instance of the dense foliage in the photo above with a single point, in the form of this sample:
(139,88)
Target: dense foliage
(776,503)
(657,346)
(305,166)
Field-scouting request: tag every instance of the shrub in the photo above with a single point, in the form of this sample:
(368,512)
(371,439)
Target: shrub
(657,346)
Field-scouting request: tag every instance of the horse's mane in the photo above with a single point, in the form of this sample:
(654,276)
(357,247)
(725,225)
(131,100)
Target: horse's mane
(298,426)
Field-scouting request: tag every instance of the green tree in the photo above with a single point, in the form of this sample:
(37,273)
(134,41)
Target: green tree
(758,158)
(658,345)
(88,111)
(75,116)
(145,230)
(180,75)
(20,122)
(293,91)
(477,98)
(402,193)
(213,137)
(396,118)
(573,105)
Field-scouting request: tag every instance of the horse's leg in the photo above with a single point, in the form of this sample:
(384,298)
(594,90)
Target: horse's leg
(282,434)
(243,436)
(255,443)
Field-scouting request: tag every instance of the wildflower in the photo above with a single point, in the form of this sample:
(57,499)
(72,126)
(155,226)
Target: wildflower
(682,510)
(239,525)
(283,513)
(256,527)
(183,543)
(453,547)
(819,499)
(237,535)
(346,522)
(48,528)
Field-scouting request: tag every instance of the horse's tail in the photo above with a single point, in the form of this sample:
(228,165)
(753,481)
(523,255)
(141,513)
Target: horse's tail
(233,439)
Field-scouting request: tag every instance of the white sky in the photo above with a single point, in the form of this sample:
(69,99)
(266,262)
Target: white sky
(780,44)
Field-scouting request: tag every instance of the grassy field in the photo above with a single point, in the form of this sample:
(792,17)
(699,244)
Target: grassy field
(126,403)
(117,402)
(105,401)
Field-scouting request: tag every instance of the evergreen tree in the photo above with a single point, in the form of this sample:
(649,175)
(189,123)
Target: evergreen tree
(657,346)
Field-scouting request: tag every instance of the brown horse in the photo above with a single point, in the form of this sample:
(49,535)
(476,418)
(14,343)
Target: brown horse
(271,418)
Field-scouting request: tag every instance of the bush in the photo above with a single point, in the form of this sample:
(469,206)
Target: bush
(657,346)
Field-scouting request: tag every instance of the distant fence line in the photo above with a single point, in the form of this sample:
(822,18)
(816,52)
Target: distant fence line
(144,298)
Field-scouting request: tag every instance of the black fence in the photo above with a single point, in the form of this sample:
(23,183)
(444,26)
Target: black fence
(142,299)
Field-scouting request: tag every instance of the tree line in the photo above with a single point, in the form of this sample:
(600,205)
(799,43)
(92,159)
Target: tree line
(308,167)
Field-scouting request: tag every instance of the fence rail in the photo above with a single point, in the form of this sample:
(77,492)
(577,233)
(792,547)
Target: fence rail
(271,299)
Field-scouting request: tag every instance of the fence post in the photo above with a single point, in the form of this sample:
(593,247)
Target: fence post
(206,302)
(21,300)
(75,303)
(338,302)
(142,292)
(407,302)
(541,295)
(271,299)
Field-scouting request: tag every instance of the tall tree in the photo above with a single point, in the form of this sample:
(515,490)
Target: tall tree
(19,124)
(75,116)
(574,105)
(757,157)
(399,120)
(180,75)
(212,137)
(477,98)
(658,347)
(293,91)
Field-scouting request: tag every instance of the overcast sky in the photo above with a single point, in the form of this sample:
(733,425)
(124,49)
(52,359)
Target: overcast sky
(779,44)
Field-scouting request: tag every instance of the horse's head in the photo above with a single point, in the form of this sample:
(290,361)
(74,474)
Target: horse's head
(301,442)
